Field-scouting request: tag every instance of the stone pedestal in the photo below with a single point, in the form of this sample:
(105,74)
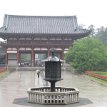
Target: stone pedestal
(61,95)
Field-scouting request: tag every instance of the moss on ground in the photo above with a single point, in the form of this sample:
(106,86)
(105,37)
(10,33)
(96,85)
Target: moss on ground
(3,74)
(100,81)
(101,73)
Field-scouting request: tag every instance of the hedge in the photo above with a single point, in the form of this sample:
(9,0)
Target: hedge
(2,69)
(96,75)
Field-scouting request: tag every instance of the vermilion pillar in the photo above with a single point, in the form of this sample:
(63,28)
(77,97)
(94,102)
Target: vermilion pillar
(6,57)
(18,56)
(62,56)
(33,57)
(48,52)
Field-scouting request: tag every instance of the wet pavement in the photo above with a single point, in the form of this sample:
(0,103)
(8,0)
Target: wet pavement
(13,89)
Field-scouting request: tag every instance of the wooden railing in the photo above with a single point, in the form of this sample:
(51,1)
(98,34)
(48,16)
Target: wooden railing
(36,43)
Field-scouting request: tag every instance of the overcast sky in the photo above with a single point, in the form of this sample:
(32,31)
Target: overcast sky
(87,11)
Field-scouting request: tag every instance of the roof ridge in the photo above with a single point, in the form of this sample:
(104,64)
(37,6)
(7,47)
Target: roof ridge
(39,16)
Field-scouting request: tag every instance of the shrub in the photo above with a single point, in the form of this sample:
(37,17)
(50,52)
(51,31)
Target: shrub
(87,54)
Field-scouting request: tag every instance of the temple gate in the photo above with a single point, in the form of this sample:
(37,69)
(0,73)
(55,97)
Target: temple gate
(36,35)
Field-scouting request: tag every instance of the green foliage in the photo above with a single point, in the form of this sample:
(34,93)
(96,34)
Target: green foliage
(2,56)
(92,29)
(87,54)
(25,57)
(102,34)
(101,73)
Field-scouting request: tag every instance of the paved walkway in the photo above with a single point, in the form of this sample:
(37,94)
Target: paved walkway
(13,89)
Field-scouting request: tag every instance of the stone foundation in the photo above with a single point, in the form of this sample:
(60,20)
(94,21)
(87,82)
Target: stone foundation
(60,96)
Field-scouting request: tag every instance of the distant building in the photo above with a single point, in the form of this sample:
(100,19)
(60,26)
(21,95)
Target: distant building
(37,34)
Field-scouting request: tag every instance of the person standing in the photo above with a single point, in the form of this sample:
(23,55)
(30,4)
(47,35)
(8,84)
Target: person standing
(38,72)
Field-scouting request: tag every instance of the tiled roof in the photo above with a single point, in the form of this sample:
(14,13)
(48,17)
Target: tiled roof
(40,24)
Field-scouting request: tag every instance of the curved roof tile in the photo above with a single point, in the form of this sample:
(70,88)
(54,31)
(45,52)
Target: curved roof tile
(41,24)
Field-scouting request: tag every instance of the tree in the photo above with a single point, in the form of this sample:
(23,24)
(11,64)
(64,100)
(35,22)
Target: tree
(2,56)
(92,29)
(87,54)
(102,34)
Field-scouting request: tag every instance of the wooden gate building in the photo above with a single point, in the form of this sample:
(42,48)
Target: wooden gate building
(38,34)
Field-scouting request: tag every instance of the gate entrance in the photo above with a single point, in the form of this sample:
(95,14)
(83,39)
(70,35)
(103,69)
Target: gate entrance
(39,57)
(42,34)
(25,59)
(12,60)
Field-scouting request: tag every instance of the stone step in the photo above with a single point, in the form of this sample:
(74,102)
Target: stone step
(29,68)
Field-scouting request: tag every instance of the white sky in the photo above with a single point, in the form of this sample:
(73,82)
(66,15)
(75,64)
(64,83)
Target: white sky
(87,11)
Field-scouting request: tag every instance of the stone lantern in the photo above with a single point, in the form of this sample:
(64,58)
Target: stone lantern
(53,95)
(52,70)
